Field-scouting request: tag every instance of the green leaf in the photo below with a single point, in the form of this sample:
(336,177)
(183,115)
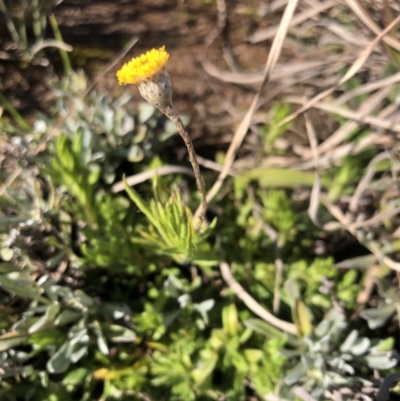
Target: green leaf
(7,268)
(119,334)
(262,327)
(84,299)
(60,362)
(230,320)
(381,362)
(23,288)
(11,340)
(67,316)
(78,352)
(361,346)
(295,374)
(378,317)
(385,345)
(139,202)
(280,178)
(15,114)
(101,341)
(46,319)
(253,356)
(75,377)
(303,318)
(204,369)
(349,341)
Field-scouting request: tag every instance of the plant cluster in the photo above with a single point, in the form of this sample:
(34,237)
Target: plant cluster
(110,294)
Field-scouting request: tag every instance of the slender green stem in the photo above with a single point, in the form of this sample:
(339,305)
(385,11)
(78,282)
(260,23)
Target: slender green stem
(64,55)
(10,24)
(14,113)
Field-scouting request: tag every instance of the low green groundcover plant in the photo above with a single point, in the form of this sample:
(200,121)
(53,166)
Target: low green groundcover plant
(116,296)
(113,291)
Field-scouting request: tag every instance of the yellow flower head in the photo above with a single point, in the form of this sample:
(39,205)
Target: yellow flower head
(143,67)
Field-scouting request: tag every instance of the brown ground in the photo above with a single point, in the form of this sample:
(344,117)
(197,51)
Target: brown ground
(98,31)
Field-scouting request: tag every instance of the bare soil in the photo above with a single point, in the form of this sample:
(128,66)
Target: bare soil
(98,31)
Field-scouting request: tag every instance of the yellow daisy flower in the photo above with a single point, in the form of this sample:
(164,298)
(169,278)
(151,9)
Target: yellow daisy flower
(149,74)
(143,67)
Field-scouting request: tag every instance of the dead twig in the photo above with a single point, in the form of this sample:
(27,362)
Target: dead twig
(345,223)
(316,189)
(252,304)
(148,174)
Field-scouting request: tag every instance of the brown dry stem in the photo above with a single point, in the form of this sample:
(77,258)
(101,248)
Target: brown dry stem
(252,304)
(173,115)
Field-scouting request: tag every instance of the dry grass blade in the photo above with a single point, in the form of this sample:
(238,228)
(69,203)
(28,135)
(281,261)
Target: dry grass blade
(284,71)
(316,189)
(367,88)
(269,33)
(10,179)
(50,43)
(345,223)
(327,160)
(365,18)
(363,184)
(252,304)
(148,174)
(369,282)
(211,165)
(362,58)
(368,106)
(350,73)
(377,219)
(375,121)
(277,44)
(351,115)
(353,38)
(244,125)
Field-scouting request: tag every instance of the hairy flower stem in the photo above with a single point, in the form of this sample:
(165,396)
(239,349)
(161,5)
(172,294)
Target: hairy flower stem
(173,115)
(149,74)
